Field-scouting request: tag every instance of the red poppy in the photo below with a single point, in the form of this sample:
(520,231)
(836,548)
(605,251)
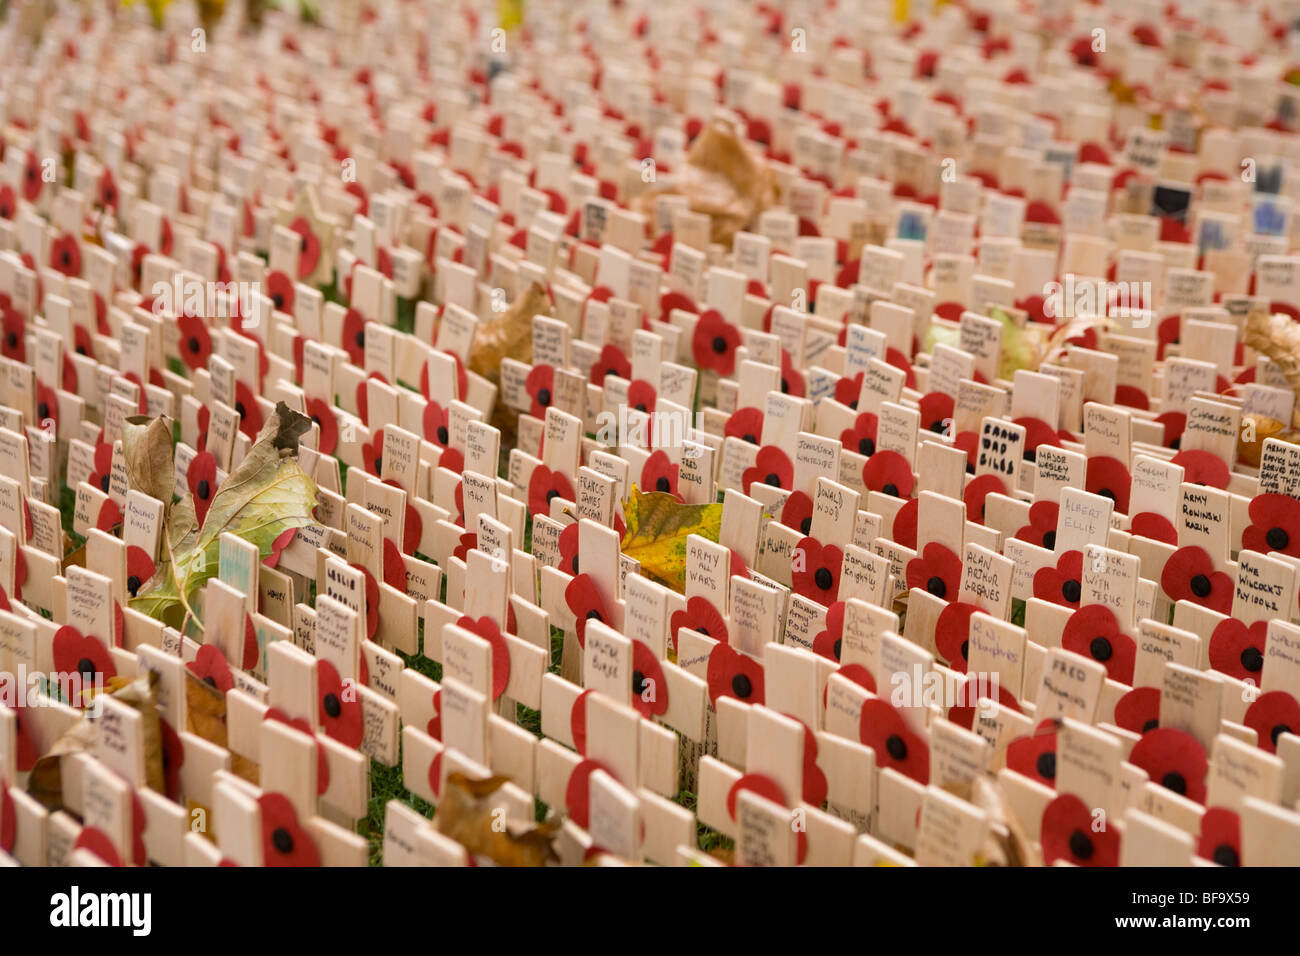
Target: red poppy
(899,361)
(1139,710)
(280,289)
(8,820)
(284,841)
(977,489)
(139,568)
(904,529)
(1174,759)
(109,516)
(1109,478)
(612,361)
(1156,527)
(1237,650)
(969,443)
(8,202)
(883,729)
(641,396)
(1093,632)
(1035,755)
(745,424)
(32,181)
(354,337)
(771,467)
(1041,529)
(660,474)
(195,341)
(321,412)
(861,438)
(1070,832)
(796,513)
(65,255)
(545,485)
(700,615)
(1271,715)
(1189,575)
(1220,838)
(649,689)
(371,608)
(210,666)
(97,842)
(102,475)
(827,642)
(86,655)
(487,629)
(1174,423)
(540,384)
(715,342)
(1037,433)
(889,473)
(952,632)
(201,477)
(26,751)
(936,570)
(372,453)
(733,674)
(339,713)
(585,603)
(308,249)
(14,329)
(936,412)
(1203,468)
(1275,525)
(1061,584)
(847,390)
(577,793)
(963,714)
(468,543)
(791,378)
(437,424)
(815,570)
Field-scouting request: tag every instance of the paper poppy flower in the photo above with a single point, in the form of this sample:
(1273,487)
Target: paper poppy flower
(280,290)
(797,512)
(1041,529)
(83,654)
(211,667)
(1271,715)
(102,475)
(649,689)
(97,842)
(1155,527)
(1061,584)
(904,529)
(889,473)
(577,793)
(8,820)
(487,629)
(1109,478)
(714,343)
(1220,838)
(139,568)
(936,412)
(848,389)
(883,729)
(468,543)
(585,603)
(952,632)
(354,337)
(284,841)
(32,181)
(1274,525)
(109,516)
(13,328)
(372,453)
(1173,424)
(827,643)
(936,570)
(1139,710)
(700,615)
(1034,756)
(815,570)
(437,424)
(861,438)
(791,378)
(977,489)
(762,785)
(65,255)
(975,686)
(195,341)
(540,384)
(733,674)
(660,474)
(569,549)
(201,477)
(320,412)
(308,247)
(8,202)
(745,424)
(1174,759)
(612,361)
(1203,468)
(371,609)
(1189,575)
(771,467)
(1037,433)
(545,485)
(1238,650)
(339,713)
(1093,632)
(641,396)
(1070,832)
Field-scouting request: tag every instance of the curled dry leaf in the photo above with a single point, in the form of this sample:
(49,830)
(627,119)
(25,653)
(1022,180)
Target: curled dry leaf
(507,334)
(657,527)
(45,784)
(267,494)
(147,454)
(465,813)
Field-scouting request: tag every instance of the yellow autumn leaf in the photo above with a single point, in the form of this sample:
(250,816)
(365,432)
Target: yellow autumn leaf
(657,528)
